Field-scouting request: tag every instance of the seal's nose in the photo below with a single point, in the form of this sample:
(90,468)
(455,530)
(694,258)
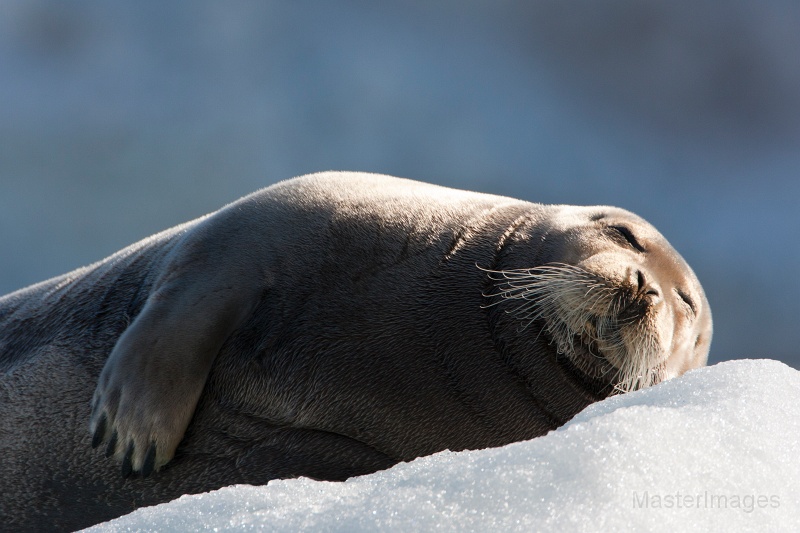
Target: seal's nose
(647,288)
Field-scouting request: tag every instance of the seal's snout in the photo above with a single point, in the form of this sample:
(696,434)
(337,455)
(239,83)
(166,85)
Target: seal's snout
(646,286)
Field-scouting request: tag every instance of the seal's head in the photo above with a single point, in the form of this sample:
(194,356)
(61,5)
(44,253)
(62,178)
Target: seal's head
(610,293)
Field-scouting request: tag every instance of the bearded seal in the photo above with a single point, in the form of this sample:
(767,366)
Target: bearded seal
(328,326)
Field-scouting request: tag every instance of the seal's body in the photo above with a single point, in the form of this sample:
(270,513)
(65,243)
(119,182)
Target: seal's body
(328,326)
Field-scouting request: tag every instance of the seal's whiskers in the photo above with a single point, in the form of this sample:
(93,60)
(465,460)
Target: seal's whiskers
(580,306)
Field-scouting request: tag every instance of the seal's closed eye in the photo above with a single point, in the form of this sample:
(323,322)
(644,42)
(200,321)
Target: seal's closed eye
(627,234)
(687,300)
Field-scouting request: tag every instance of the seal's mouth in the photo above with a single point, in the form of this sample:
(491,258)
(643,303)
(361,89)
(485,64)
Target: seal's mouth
(601,329)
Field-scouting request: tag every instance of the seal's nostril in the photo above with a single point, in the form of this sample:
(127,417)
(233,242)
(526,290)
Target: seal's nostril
(639,281)
(642,287)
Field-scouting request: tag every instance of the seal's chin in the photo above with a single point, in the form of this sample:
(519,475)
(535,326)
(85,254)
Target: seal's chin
(582,352)
(627,353)
(602,367)
(581,364)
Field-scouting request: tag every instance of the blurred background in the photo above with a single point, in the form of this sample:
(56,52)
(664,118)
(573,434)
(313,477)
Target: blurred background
(119,119)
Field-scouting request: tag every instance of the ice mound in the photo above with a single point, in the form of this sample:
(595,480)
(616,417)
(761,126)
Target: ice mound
(716,449)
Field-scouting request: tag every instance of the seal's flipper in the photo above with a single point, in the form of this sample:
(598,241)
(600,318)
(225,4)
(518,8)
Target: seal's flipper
(153,378)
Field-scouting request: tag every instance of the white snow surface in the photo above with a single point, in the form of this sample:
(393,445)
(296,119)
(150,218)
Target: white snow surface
(716,449)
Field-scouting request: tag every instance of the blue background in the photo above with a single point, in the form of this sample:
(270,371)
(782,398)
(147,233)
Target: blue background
(119,119)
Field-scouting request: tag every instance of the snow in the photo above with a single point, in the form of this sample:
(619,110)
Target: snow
(713,450)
